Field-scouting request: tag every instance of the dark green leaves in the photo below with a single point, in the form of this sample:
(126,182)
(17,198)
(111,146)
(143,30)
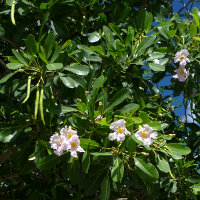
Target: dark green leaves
(146,170)
(78,69)
(118,98)
(49,162)
(146,42)
(54,66)
(117,171)
(31,44)
(7,134)
(2,32)
(105,188)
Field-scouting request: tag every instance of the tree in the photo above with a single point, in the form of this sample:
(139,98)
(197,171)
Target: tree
(81,114)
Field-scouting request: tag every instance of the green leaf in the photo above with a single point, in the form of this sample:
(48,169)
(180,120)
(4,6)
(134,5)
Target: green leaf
(156,67)
(54,66)
(105,189)
(61,109)
(86,49)
(146,42)
(68,81)
(131,145)
(179,148)
(116,30)
(49,162)
(162,164)
(55,54)
(132,107)
(19,57)
(146,170)
(193,30)
(7,134)
(89,144)
(97,84)
(5,78)
(130,35)
(137,120)
(118,98)
(81,70)
(155,125)
(117,171)
(102,154)
(49,43)
(14,65)
(108,37)
(2,32)
(196,19)
(86,162)
(94,37)
(31,44)
(148,21)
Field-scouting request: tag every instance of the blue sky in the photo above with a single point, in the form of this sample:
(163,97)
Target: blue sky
(177,4)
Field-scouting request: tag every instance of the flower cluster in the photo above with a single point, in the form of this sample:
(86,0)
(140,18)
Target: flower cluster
(146,135)
(119,131)
(181,57)
(67,140)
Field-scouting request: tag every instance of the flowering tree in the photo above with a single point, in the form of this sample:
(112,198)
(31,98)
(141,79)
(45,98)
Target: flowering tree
(82,113)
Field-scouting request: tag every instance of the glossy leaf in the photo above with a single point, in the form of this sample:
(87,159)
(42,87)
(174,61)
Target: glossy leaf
(146,170)
(162,164)
(81,70)
(54,66)
(179,148)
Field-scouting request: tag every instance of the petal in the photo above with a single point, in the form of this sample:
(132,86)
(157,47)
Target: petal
(112,136)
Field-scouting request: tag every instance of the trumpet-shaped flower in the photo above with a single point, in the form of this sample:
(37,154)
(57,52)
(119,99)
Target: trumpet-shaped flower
(57,143)
(119,131)
(68,140)
(182,74)
(146,135)
(74,146)
(67,132)
(181,57)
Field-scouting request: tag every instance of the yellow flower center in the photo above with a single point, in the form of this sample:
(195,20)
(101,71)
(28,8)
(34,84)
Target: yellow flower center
(74,144)
(181,72)
(59,142)
(144,134)
(182,57)
(69,135)
(120,130)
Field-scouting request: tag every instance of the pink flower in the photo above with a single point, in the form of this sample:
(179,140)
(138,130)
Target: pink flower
(182,74)
(181,57)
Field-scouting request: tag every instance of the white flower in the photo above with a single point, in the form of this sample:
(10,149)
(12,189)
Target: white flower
(119,131)
(181,57)
(146,135)
(68,140)
(182,74)
(57,143)
(67,132)
(156,61)
(74,146)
